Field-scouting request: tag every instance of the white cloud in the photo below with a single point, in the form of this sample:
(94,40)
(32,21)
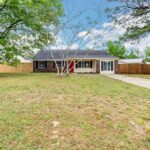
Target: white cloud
(112,31)
(97,38)
(109,31)
(61,44)
(35,50)
(107,24)
(141,44)
(75,46)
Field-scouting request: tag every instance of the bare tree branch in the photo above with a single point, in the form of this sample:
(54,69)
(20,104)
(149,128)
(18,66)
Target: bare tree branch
(9,28)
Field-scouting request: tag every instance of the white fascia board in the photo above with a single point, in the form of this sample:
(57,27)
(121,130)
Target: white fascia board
(76,59)
(48,59)
(93,58)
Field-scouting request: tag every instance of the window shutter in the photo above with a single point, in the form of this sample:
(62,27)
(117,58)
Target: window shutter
(45,64)
(102,66)
(112,66)
(36,64)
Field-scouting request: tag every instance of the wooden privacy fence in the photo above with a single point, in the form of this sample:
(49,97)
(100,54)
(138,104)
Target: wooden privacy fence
(134,68)
(21,68)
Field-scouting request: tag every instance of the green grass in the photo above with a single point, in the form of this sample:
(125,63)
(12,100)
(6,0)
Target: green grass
(139,76)
(41,111)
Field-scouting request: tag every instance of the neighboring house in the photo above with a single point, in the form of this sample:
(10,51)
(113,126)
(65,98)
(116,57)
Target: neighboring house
(81,61)
(25,59)
(131,61)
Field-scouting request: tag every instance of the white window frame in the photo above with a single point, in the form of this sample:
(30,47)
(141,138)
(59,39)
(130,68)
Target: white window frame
(107,71)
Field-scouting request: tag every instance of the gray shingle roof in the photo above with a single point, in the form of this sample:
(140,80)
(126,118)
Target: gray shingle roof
(63,54)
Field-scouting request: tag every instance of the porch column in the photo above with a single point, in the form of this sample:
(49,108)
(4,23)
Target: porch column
(94,66)
(81,66)
(67,67)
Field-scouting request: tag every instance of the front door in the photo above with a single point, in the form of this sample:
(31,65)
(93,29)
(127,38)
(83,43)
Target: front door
(107,67)
(71,67)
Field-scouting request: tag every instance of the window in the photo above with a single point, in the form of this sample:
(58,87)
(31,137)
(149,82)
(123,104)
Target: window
(84,64)
(107,66)
(60,64)
(87,64)
(79,64)
(42,64)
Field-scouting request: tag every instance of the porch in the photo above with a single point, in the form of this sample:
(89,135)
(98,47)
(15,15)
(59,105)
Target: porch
(85,66)
(93,66)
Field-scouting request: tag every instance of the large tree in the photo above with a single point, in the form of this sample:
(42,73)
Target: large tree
(133,53)
(24,24)
(116,49)
(133,14)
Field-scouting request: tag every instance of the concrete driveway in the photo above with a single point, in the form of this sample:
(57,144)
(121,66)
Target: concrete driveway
(133,80)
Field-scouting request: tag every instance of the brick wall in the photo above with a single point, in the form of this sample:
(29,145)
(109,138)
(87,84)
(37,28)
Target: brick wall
(97,66)
(50,67)
(116,66)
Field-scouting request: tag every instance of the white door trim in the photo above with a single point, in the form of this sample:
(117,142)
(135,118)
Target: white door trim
(107,72)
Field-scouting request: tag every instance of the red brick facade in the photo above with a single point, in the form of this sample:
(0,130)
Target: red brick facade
(50,67)
(98,66)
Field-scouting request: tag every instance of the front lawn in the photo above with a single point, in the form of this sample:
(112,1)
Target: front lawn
(40,111)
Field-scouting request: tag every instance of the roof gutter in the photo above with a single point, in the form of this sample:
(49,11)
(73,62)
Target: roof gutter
(76,59)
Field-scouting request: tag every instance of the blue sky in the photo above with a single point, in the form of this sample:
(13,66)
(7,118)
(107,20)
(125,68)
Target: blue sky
(89,6)
(107,29)
(91,9)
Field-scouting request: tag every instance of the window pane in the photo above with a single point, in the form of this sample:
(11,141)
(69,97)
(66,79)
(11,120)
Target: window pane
(87,64)
(84,64)
(109,65)
(59,64)
(42,64)
(78,64)
(105,66)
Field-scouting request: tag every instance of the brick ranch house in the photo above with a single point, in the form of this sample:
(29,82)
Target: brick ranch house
(80,61)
